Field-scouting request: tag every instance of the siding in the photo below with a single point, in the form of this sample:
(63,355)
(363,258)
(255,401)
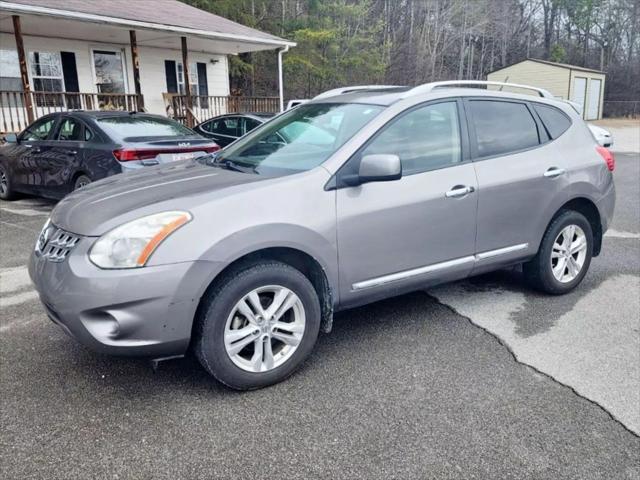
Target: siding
(554,79)
(152,74)
(559,81)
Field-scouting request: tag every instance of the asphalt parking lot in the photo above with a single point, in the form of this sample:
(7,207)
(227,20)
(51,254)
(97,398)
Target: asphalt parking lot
(479,379)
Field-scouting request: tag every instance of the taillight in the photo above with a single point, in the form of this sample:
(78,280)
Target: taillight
(129,154)
(608,157)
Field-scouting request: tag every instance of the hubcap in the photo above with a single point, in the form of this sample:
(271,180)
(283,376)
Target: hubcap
(264,328)
(568,253)
(81,183)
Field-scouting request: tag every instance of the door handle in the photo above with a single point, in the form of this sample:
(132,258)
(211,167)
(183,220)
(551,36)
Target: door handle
(72,152)
(459,191)
(554,172)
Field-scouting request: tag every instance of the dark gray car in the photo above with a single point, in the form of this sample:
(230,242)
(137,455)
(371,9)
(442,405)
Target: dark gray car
(61,152)
(226,129)
(244,256)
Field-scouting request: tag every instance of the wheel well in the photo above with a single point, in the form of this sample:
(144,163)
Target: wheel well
(299,260)
(77,175)
(587,208)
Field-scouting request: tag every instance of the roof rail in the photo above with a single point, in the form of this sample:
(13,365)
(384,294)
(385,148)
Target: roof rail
(428,87)
(341,90)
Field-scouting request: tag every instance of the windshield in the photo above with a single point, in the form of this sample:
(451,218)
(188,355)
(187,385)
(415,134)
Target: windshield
(299,139)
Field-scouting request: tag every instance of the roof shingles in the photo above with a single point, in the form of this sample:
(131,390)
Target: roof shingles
(163,12)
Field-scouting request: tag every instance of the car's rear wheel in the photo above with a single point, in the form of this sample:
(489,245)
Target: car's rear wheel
(6,190)
(257,326)
(81,181)
(564,255)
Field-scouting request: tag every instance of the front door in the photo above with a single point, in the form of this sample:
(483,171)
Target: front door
(32,145)
(63,159)
(421,228)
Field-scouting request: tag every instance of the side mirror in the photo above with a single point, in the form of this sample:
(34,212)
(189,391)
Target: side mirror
(11,138)
(380,168)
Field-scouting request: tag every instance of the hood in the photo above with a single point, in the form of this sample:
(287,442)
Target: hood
(93,209)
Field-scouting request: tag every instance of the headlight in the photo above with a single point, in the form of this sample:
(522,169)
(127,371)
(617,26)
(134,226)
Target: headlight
(130,245)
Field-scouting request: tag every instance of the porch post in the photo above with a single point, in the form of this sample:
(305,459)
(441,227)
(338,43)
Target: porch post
(187,83)
(281,51)
(136,70)
(24,75)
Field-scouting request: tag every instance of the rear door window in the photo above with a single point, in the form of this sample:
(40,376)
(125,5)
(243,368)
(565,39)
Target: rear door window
(250,124)
(70,130)
(502,127)
(554,120)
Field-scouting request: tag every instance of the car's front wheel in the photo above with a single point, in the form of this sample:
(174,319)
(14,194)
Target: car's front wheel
(256,326)
(564,255)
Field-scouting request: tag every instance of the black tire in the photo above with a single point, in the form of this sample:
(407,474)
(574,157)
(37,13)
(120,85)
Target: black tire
(217,305)
(538,271)
(81,181)
(6,189)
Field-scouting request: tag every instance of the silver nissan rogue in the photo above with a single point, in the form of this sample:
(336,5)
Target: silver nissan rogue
(243,256)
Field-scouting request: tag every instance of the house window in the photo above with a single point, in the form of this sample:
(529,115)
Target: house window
(46,73)
(193,78)
(109,71)
(10,71)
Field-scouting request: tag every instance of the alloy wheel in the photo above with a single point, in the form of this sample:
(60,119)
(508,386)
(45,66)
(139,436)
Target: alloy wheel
(264,328)
(568,253)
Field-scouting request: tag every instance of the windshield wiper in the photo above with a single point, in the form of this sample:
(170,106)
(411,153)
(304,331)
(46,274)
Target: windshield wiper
(235,166)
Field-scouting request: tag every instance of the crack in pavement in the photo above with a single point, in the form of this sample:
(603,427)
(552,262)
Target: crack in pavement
(502,342)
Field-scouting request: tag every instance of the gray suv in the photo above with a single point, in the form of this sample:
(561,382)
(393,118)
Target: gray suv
(243,256)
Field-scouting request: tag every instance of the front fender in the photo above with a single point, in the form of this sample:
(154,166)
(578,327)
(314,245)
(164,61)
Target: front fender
(253,239)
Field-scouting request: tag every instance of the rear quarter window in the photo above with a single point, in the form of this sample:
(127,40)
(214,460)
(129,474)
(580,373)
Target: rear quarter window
(502,127)
(555,121)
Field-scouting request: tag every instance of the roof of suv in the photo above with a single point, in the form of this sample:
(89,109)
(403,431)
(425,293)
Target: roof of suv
(388,96)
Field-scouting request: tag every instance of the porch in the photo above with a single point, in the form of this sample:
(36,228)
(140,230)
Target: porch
(111,56)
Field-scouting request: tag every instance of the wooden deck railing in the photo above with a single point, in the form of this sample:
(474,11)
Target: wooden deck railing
(14,117)
(204,107)
(13,105)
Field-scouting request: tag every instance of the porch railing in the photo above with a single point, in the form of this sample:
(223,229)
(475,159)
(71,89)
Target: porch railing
(13,105)
(204,107)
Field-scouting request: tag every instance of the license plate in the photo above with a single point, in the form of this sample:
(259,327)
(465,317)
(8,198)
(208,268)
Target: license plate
(185,155)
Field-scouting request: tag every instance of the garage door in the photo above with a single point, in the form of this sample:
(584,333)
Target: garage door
(579,92)
(593,103)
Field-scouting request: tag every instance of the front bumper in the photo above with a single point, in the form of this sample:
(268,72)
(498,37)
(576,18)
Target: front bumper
(142,311)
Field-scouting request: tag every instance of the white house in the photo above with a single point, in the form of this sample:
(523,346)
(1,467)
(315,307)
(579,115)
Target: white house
(122,54)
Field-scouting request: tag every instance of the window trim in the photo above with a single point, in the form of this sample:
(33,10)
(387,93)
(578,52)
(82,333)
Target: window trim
(336,182)
(473,142)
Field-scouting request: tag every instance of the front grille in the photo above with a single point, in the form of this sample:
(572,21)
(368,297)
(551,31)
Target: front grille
(55,244)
